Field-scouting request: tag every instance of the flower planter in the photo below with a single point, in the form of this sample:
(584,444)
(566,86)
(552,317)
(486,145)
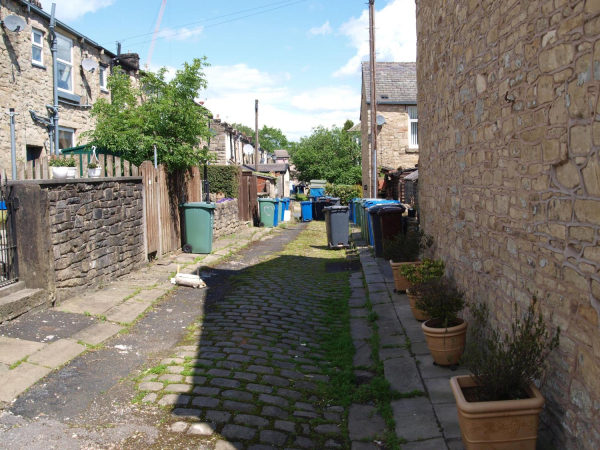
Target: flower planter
(94,173)
(499,425)
(400,282)
(60,172)
(446,345)
(419,314)
(71,172)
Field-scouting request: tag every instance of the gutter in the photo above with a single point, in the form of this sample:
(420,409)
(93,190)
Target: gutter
(408,102)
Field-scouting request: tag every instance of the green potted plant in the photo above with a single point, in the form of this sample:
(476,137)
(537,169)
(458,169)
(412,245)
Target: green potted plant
(93,170)
(417,274)
(405,249)
(498,405)
(63,167)
(446,334)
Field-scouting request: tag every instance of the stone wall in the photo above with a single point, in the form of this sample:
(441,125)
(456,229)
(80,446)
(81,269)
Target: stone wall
(509,176)
(93,230)
(26,85)
(392,141)
(226,219)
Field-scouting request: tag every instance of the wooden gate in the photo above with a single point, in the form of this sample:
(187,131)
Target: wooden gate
(248,198)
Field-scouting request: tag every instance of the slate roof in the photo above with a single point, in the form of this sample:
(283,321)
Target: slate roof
(396,80)
(281,154)
(277,167)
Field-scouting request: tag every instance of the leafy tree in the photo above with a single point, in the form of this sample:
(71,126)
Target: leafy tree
(328,154)
(160,112)
(270,139)
(348,124)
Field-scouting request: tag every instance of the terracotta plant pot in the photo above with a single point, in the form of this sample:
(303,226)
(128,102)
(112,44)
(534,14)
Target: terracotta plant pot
(446,345)
(419,314)
(401,283)
(500,425)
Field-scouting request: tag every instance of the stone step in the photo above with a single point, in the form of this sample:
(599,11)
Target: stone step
(12,288)
(17,303)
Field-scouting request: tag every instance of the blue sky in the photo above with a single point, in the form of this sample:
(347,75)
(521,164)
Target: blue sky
(301,60)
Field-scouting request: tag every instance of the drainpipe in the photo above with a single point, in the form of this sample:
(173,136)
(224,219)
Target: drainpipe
(54,49)
(13,145)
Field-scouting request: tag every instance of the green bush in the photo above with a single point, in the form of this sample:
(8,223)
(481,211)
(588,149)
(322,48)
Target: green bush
(224,179)
(504,364)
(301,197)
(440,298)
(62,161)
(407,247)
(430,269)
(345,192)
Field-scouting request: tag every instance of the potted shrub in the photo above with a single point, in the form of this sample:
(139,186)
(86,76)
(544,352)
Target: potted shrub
(93,170)
(63,167)
(446,334)
(417,274)
(498,405)
(405,249)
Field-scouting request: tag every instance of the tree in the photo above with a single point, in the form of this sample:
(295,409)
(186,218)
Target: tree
(160,112)
(328,154)
(270,139)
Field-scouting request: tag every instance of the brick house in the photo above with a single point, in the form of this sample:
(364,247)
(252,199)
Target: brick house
(509,177)
(397,138)
(26,80)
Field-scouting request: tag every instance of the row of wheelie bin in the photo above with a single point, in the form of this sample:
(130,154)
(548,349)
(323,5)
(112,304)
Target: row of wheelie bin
(274,211)
(314,209)
(335,216)
(379,220)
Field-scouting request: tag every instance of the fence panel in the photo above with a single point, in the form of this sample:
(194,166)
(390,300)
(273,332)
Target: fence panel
(149,179)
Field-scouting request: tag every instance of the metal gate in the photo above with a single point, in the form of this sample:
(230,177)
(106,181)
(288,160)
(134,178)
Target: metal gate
(9,265)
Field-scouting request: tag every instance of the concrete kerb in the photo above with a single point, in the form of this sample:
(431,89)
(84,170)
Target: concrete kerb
(425,422)
(118,306)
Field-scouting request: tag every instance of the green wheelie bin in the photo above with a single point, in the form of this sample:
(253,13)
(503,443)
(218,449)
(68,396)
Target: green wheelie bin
(268,212)
(198,218)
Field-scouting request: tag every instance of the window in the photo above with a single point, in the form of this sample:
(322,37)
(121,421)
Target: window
(66,137)
(37,47)
(65,63)
(102,77)
(413,117)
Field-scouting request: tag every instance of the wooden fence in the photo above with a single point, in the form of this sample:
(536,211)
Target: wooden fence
(39,169)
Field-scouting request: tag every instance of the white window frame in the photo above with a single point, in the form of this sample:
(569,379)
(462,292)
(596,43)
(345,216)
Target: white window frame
(410,122)
(72,131)
(102,76)
(36,45)
(68,64)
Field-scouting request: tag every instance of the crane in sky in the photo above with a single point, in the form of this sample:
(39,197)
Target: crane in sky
(156,30)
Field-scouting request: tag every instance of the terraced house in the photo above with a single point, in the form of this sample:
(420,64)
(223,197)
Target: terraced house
(26,80)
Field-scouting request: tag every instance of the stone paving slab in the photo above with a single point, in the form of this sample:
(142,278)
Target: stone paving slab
(127,312)
(448,416)
(430,444)
(97,333)
(13,350)
(439,390)
(364,422)
(151,295)
(16,381)
(98,302)
(402,374)
(57,353)
(429,370)
(415,419)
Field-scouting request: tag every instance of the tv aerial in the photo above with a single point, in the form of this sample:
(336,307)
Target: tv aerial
(14,23)
(89,65)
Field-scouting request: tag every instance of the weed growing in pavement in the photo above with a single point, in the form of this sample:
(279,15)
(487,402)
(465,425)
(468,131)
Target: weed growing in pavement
(17,364)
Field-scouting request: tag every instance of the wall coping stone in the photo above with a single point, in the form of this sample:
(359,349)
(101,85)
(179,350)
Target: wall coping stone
(74,181)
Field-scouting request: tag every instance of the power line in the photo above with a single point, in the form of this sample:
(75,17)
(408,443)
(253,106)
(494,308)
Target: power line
(221,23)
(208,20)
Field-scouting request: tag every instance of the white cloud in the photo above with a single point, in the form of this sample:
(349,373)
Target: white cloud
(332,98)
(67,10)
(232,90)
(180,34)
(396,38)
(323,29)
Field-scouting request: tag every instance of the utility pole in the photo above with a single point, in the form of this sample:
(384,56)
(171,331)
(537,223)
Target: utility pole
(374,171)
(256,138)
(54,50)
(13,145)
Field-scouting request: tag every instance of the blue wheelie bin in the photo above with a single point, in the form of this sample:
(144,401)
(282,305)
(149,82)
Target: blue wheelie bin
(306,211)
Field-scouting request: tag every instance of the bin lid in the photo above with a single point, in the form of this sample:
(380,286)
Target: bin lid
(336,208)
(391,209)
(306,203)
(374,208)
(271,200)
(203,205)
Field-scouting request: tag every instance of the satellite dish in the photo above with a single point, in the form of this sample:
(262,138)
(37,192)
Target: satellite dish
(248,149)
(14,23)
(89,65)
(380,120)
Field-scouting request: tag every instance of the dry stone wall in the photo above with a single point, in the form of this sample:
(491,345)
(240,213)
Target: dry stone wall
(226,220)
(509,176)
(96,231)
